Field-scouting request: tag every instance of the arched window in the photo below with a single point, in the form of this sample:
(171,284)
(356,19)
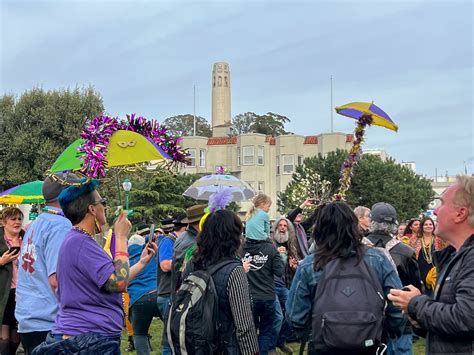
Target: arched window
(219,82)
(225,79)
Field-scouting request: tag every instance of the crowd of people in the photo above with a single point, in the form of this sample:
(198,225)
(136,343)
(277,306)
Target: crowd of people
(343,280)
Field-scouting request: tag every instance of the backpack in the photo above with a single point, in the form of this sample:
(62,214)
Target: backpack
(385,250)
(348,307)
(193,322)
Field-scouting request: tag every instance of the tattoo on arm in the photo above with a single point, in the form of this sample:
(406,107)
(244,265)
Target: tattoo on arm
(118,281)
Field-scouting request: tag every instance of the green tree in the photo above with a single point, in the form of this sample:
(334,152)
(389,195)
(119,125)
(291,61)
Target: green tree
(374,181)
(38,126)
(270,123)
(183,125)
(154,195)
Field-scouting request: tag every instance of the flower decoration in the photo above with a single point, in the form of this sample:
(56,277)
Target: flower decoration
(218,201)
(347,168)
(97,135)
(221,170)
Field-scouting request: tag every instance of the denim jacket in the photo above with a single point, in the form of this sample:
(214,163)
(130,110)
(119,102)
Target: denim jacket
(300,300)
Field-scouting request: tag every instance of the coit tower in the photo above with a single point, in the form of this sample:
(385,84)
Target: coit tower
(220,100)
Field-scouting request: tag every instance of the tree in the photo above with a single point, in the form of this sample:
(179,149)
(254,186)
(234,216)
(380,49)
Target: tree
(154,195)
(269,124)
(183,125)
(38,126)
(374,181)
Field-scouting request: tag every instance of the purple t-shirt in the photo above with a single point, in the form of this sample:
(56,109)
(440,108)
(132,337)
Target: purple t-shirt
(83,268)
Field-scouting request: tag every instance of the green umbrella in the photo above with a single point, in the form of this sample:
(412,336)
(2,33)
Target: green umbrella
(68,160)
(31,192)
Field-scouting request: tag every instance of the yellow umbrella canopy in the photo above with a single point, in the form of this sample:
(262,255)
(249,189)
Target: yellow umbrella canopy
(359,109)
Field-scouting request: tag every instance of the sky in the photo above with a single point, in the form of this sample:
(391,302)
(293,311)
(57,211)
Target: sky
(414,59)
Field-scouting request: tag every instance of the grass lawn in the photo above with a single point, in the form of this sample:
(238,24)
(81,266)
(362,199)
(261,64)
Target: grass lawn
(157,328)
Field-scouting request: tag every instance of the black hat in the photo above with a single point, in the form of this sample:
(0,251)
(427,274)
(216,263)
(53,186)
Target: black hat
(53,185)
(167,223)
(178,220)
(383,212)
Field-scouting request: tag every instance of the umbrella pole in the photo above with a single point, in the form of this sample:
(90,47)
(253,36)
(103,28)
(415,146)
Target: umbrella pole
(118,189)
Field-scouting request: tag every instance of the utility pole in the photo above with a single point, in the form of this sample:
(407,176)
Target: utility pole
(332,118)
(194,109)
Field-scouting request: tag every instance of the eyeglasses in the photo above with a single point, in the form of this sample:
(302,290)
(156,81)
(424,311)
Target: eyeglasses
(102,201)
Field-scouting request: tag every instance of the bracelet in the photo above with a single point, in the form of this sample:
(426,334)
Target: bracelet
(121,253)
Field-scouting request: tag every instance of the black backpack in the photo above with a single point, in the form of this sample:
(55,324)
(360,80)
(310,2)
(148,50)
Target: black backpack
(348,307)
(193,322)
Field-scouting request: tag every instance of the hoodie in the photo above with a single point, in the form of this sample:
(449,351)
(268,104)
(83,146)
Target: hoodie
(265,263)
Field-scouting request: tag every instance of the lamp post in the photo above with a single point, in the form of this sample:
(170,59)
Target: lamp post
(127,186)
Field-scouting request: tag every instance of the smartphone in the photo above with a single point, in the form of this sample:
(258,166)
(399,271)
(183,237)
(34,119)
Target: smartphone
(152,237)
(16,250)
(406,288)
(152,233)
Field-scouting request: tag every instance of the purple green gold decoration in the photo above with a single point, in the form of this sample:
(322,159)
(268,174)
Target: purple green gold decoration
(366,114)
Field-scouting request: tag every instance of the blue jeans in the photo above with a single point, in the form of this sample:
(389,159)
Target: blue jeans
(87,343)
(141,315)
(164,307)
(285,330)
(400,346)
(263,316)
(277,322)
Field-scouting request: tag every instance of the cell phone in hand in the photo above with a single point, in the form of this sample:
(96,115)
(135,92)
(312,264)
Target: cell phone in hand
(406,288)
(152,237)
(15,250)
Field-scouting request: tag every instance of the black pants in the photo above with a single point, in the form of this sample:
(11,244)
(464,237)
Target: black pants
(32,340)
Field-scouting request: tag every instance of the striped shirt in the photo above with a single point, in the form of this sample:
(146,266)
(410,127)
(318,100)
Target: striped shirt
(240,305)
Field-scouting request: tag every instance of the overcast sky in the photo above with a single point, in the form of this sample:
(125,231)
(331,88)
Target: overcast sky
(413,58)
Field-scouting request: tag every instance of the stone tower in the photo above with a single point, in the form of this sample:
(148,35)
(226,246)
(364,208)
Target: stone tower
(220,100)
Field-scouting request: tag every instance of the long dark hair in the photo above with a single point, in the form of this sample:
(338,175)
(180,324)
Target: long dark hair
(336,234)
(218,239)
(408,230)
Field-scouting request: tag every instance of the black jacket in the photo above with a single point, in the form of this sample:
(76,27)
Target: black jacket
(404,258)
(265,263)
(448,317)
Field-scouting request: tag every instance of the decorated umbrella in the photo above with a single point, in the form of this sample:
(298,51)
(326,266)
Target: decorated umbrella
(31,192)
(366,114)
(207,186)
(107,142)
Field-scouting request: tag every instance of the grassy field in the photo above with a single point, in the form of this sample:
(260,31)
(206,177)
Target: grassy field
(157,327)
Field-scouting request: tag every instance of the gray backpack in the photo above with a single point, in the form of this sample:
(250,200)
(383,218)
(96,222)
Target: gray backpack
(348,307)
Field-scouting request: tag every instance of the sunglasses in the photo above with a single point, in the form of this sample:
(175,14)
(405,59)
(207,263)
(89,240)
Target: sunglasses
(102,201)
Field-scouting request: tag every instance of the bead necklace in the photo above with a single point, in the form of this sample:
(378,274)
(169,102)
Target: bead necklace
(51,211)
(427,250)
(83,231)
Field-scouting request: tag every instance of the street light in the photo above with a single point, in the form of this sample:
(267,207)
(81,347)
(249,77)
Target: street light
(127,186)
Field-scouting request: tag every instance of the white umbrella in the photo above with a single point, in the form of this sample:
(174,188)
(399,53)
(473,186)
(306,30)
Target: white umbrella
(208,185)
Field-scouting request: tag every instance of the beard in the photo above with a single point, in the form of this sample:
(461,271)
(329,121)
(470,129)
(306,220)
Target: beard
(281,237)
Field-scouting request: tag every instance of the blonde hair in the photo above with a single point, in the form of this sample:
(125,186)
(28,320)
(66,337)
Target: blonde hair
(464,196)
(258,201)
(361,211)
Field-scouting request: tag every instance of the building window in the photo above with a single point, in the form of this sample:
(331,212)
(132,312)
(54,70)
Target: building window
(238,156)
(260,155)
(248,153)
(288,164)
(202,158)
(261,186)
(300,159)
(278,164)
(192,157)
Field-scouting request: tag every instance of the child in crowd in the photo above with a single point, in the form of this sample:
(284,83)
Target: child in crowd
(265,263)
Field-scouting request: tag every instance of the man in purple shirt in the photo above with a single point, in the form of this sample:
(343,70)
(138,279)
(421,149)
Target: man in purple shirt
(90,283)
